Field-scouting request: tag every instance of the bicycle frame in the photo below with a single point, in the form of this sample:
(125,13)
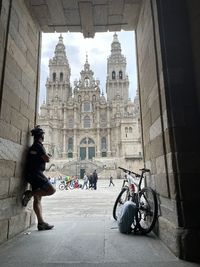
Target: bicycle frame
(140,176)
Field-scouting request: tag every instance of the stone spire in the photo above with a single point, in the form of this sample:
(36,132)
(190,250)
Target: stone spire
(59,53)
(115,46)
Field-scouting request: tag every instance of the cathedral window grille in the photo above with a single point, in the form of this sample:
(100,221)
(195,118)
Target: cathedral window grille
(54,77)
(86,122)
(113,75)
(61,77)
(120,75)
(70,155)
(130,130)
(104,154)
(86,107)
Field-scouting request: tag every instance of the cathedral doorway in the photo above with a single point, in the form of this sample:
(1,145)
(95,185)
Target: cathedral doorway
(87,148)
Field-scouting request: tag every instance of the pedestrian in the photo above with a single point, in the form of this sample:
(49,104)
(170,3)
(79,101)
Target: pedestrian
(91,184)
(95,178)
(111,181)
(41,186)
(85,181)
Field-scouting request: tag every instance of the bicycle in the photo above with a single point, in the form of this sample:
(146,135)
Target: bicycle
(72,184)
(144,198)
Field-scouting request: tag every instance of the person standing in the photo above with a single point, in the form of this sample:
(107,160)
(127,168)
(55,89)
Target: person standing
(111,181)
(41,186)
(95,178)
(85,181)
(91,181)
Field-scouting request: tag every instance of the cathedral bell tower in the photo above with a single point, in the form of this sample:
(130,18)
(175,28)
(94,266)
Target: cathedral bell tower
(117,84)
(58,82)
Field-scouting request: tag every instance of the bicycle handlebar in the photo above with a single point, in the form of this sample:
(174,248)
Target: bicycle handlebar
(136,174)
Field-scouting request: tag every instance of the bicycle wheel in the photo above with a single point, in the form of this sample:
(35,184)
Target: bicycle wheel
(123,196)
(61,186)
(147,213)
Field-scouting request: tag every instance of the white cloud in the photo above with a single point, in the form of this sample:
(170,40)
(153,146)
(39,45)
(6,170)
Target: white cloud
(98,50)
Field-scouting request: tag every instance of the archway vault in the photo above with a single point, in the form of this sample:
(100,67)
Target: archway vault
(87,17)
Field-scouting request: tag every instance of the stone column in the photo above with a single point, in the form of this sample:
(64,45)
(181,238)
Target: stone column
(65,143)
(75,147)
(108,132)
(98,154)
(170,121)
(64,153)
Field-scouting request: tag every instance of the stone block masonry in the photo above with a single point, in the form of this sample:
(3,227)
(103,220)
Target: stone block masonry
(17,114)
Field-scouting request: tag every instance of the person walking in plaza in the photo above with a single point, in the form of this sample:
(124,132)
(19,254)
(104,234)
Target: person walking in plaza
(85,181)
(95,178)
(91,184)
(41,186)
(111,181)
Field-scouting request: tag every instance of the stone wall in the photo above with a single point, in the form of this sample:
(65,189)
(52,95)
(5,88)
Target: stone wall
(170,121)
(157,152)
(19,38)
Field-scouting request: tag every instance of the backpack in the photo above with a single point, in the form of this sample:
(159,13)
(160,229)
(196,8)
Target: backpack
(126,217)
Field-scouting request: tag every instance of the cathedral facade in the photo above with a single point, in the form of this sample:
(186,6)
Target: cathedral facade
(84,130)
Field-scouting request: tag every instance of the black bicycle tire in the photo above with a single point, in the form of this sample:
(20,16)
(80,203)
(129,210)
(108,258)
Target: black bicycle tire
(155,215)
(61,187)
(117,200)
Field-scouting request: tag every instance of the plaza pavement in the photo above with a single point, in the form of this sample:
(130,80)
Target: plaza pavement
(85,235)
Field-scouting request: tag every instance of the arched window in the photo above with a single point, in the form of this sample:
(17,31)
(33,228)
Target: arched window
(61,76)
(103,143)
(79,98)
(113,75)
(130,129)
(120,75)
(86,122)
(70,144)
(54,77)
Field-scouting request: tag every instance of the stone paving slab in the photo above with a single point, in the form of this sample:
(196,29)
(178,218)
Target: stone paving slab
(85,235)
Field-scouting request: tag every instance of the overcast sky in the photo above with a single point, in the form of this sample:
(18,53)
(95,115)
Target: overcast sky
(98,50)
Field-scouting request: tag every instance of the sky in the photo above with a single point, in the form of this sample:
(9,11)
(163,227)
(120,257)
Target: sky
(98,50)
